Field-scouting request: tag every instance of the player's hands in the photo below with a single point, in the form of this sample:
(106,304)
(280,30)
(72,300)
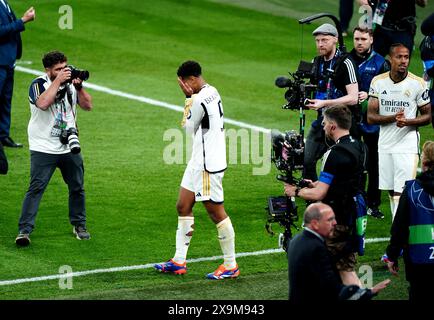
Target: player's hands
(315,104)
(29,15)
(401,121)
(393,268)
(188,91)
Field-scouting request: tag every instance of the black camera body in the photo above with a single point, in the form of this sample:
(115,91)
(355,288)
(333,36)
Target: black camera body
(298,89)
(77,73)
(70,138)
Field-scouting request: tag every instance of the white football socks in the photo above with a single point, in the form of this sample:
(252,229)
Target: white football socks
(183,238)
(394,201)
(226,236)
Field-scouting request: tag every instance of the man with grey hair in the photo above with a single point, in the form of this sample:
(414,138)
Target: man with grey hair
(337,85)
(312,274)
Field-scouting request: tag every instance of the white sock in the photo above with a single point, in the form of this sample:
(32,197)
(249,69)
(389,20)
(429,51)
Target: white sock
(392,206)
(395,206)
(226,236)
(183,238)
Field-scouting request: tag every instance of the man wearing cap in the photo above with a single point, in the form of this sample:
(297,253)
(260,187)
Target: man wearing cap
(336,77)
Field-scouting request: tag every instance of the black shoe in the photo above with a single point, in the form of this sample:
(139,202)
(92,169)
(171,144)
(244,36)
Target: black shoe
(22,240)
(81,233)
(8,142)
(375,213)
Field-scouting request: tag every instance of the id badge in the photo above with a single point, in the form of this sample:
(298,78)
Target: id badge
(56,131)
(379,12)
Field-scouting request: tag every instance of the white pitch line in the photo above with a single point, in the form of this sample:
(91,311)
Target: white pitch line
(146,100)
(146,266)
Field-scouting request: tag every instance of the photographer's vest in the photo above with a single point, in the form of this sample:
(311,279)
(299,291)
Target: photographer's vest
(421,238)
(324,77)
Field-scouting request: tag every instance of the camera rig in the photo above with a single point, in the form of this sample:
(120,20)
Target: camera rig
(288,148)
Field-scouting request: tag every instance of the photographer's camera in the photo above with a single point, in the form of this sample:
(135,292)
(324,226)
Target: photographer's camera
(70,138)
(78,73)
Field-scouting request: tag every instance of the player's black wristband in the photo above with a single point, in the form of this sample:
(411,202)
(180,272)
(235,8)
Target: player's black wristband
(186,97)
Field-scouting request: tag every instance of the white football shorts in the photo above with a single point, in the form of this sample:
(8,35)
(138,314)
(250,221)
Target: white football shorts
(205,186)
(395,169)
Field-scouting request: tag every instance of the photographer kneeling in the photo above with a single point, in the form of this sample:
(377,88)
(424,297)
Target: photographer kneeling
(338,185)
(53,141)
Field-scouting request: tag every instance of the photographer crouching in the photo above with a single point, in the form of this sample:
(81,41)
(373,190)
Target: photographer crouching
(53,141)
(339,186)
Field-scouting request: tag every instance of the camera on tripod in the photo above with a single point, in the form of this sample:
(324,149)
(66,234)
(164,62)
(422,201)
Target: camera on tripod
(298,89)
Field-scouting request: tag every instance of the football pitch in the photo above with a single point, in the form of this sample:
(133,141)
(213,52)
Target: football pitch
(132,169)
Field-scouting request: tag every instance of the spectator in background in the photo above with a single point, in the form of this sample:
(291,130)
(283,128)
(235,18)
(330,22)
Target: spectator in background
(394,22)
(10,50)
(412,230)
(346,8)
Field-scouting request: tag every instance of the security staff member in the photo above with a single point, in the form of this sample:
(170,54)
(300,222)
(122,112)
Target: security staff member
(412,230)
(339,181)
(369,65)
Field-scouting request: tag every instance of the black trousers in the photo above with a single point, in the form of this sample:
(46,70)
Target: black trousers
(384,38)
(6,90)
(346,8)
(42,167)
(373,193)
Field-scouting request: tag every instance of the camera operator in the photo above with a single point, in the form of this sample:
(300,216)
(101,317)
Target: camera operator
(336,78)
(339,182)
(53,98)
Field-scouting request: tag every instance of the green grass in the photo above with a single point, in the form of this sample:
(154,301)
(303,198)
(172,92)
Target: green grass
(136,47)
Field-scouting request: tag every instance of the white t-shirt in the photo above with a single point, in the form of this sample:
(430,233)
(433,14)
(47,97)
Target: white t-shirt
(40,128)
(408,94)
(204,119)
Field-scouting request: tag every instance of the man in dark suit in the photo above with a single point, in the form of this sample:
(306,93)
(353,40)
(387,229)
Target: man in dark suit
(311,271)
(312,274)
(10,50)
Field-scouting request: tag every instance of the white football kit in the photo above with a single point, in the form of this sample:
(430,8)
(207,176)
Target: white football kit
(203,118)
(398,148)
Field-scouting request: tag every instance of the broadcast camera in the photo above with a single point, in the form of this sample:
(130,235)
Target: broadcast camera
(288,156)
(298,90)
(288,148)
(77,73)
